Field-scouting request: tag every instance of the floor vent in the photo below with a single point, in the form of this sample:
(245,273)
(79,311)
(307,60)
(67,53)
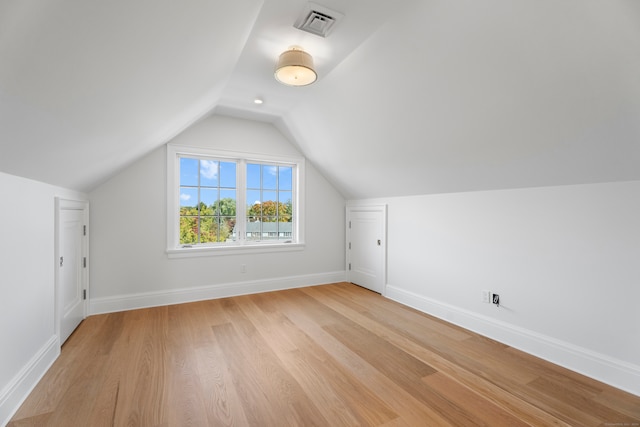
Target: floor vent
(317,20)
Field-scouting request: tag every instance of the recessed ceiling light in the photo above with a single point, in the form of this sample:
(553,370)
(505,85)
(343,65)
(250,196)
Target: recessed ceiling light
(258,101)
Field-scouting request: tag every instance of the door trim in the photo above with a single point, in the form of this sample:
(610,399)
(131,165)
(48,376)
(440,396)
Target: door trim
(368,208)
(62,205)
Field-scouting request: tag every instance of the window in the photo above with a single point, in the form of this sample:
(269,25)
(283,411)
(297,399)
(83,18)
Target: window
(223,202)
(207,201)
(269,201)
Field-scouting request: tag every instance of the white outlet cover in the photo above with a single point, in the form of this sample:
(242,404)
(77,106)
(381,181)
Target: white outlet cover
(486,296)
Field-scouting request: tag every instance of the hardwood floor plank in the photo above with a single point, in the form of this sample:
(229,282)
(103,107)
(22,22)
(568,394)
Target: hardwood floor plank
(32,421)
(545,369)
(142,394)
(184,399)
(567,399)
(265,382)
(113,345)
(396,364)
(507,401)
(341,398)
(310,319)
(482,410)
(221,401)
(47,395)
(73,409)
(619,401)
(406,372)
(68,387)
(331,355)
(469,354)
(390,310)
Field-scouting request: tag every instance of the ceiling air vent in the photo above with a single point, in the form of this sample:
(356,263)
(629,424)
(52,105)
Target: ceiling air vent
(317,20)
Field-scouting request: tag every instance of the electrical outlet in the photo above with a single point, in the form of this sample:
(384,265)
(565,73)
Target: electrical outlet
(496,299)
(243,268)
(486,296)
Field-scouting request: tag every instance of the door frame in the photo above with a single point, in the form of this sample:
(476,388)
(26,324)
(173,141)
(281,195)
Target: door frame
(368,208)
(62,204)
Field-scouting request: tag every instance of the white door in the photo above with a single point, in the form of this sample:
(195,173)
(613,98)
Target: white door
(71,269)
(366,246)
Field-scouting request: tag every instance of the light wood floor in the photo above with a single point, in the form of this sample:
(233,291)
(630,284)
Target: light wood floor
(333,355)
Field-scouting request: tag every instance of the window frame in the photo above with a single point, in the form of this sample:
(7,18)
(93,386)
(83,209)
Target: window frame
(175,250)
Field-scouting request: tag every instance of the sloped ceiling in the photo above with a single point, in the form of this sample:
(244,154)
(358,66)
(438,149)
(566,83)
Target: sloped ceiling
(473,95)
(414,96)
(87,87)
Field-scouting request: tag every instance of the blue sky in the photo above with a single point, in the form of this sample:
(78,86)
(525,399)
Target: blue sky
(214,175)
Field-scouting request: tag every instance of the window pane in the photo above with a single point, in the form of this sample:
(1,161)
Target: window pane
(228,174)
(188,230)
(285,178)
(269,196)
(285,199)
(253,230)
(285,231)
(208,173)
(208,230)
(188,197)
(227,229)
(227,204)
(269,177)
(188,171)
(253,176)
(254,213)
(278,210)
(253,197)
(254,208)
(208,201)
(270,229)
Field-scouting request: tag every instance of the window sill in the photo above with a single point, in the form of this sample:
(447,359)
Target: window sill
(265,248)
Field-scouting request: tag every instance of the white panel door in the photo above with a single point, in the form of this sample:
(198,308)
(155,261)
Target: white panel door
(366,246)
(70,263)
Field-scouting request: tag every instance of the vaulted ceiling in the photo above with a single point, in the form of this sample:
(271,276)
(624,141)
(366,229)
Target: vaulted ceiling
(413,96)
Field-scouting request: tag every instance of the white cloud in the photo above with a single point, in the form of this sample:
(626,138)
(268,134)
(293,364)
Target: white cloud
(185,197)
(209,169)
(272,170)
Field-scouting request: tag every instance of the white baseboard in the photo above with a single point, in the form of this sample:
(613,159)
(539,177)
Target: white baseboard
(617,373)
(182,295)
(14,393)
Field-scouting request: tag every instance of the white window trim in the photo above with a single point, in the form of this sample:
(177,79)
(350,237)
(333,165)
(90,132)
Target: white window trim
(174,250)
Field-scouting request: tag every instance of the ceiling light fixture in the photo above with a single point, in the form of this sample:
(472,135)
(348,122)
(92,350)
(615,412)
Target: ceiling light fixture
(295,68)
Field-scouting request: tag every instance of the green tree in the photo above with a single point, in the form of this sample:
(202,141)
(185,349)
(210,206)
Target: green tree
(188,230)
(269,210)
(207,224)
(225,207)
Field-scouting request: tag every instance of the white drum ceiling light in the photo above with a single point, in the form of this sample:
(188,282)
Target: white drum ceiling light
(295,68)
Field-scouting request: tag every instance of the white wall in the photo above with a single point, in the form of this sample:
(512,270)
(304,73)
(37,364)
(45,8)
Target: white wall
(27,279)
(564,260)
(130,268)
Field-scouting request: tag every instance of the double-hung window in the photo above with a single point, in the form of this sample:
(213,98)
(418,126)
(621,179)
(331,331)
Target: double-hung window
(223,202)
